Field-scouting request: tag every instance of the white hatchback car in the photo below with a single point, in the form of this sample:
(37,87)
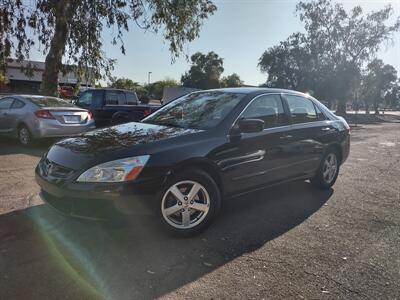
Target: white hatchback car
(29,117)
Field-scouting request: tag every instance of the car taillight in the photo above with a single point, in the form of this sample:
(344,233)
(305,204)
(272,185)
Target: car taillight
(90,115)
(43,114)
(146,112)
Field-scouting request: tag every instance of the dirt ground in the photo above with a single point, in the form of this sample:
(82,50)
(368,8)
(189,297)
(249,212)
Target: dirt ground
(287,242)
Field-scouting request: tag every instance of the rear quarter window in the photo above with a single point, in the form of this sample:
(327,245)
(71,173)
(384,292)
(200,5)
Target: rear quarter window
(302,110)
(131,98)
(50,102)
(17,104)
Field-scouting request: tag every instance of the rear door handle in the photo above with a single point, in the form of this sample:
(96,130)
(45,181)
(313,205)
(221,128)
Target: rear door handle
(286,137)
(326,129)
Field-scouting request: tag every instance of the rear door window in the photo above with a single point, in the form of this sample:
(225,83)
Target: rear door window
(115,98)
(6,103)
(268,108)
(302,109)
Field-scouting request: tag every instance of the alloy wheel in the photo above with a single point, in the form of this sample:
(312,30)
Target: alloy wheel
(24,136)
(185,204)
(330,167)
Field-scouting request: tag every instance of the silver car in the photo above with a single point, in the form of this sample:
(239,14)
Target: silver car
(28,117)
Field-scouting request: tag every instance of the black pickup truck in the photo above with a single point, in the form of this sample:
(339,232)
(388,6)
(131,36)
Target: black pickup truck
(113,106)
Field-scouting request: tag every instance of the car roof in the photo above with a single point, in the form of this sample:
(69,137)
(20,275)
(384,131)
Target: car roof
(254,90)
(108,89)
(27,96)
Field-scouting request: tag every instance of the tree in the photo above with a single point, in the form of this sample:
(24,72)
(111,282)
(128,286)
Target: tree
(72,29)
(232,80)
(124,83)
(392,97)
(156,89)
(329,56)
(205,71)
(376,83)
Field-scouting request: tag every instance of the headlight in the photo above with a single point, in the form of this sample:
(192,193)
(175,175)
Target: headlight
(115,171)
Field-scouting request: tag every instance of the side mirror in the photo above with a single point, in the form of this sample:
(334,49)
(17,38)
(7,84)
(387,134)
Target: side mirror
(250,125)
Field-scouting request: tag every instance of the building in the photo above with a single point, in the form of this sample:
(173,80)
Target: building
(26,77)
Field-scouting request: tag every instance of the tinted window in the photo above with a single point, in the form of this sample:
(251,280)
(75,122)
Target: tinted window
(50,102)
(17,104)
(201,110)
(115,98)
(6,103)
(302,109)
(131,98)
(86,98)
(267,108)
(320,114)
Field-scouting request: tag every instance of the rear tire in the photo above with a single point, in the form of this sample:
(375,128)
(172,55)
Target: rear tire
(189,202)
(24,136)
(328,170)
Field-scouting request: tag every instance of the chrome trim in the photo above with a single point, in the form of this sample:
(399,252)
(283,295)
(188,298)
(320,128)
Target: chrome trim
(251,101)
(240,160)
(282,94)
(263,172)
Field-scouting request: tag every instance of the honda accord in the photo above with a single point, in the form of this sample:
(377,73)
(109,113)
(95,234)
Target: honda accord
(182,161)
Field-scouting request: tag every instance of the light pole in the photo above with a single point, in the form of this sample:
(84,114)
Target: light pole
(149,77)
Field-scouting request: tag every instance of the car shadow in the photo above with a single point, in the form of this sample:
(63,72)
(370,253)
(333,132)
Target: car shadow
(47,255)
(10,146)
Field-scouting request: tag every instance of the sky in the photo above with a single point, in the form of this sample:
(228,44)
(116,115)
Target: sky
(239,32)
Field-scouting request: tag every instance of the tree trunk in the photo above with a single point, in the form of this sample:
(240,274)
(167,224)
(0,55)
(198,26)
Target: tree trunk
(376,107)
(341,107)
(366,108)
(53,62)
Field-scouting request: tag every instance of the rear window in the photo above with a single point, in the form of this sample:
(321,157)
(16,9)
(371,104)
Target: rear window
(50,102)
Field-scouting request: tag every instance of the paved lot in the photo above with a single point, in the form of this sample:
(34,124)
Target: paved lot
(284,242)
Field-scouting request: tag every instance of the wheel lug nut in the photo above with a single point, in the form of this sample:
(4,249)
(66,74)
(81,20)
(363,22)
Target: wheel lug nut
(191,202)
(185,198)
(182,210)
(179,203)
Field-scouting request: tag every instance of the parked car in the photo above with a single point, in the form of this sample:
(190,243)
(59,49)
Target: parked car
(66,91)
(201,149)
(112,106)
(28,117)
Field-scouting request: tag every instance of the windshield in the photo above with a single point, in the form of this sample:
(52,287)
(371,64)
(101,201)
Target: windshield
(50,102)
(201,110)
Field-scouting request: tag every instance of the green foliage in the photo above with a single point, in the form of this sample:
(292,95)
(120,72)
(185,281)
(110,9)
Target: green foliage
(205,71)
(329,57)
(123,83)
(127,84)
(72,29)
(156,89)
(377,81)
(232,80)
(392,97)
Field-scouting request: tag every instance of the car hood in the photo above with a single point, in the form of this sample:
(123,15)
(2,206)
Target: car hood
(112,143)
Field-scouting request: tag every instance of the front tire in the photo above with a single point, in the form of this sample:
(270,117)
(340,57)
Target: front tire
(328,170)
(24,136)
(189,203)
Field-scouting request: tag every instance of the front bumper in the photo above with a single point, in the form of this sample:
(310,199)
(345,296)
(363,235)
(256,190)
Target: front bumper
(101,201)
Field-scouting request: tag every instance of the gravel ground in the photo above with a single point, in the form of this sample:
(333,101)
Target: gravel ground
(288,242)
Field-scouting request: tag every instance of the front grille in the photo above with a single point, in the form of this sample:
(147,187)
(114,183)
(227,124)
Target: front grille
(51,169)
